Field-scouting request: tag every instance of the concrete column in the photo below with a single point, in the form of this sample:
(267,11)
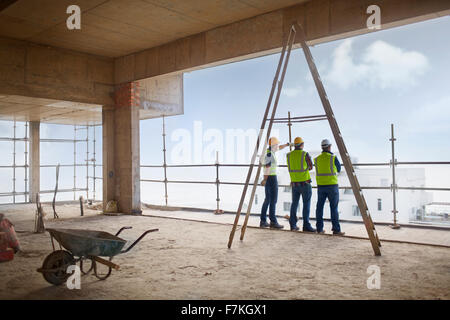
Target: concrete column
(127,160)
(121,154)
(34,160)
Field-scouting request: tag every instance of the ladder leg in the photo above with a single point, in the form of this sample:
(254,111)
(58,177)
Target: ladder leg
(374,240)
(269,103)
(291,40)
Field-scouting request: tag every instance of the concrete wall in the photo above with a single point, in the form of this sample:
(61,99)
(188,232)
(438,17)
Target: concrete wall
(322,20)
(32,70)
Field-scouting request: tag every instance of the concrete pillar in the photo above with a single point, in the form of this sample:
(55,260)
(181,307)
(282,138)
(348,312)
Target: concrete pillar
(121,154)
(34,160)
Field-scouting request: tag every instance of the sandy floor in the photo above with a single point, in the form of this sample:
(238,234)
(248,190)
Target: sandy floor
(190,260)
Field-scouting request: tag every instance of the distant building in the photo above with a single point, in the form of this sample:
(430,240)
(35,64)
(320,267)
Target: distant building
(437,212)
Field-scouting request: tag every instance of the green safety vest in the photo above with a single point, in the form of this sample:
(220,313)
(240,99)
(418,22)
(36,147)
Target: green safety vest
(297,166)
(273,162)
(326,171)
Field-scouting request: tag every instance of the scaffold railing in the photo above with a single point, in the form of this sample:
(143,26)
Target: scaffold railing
(89,162)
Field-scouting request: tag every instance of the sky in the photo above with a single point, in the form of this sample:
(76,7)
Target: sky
(397,76)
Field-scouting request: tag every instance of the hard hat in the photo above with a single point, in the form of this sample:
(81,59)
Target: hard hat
(325,143)
(273,141)
(298,141)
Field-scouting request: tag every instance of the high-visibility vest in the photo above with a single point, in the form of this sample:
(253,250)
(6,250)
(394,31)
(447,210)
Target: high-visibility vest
(326,171)
(297,166)
(273,162)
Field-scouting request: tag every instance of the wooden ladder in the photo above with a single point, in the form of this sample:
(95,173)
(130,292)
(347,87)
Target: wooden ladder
(370,227)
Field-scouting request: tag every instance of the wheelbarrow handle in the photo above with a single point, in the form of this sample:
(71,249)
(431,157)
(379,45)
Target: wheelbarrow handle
(138,239)
(121,229)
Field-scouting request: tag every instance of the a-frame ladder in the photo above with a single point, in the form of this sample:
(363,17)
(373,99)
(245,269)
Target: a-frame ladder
(373,237)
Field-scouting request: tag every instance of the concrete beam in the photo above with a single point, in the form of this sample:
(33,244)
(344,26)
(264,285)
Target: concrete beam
(32,70)
(322,20)
(34,160)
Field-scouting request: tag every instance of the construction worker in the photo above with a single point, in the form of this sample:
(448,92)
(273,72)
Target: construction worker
(271,184)
(327,167)
(299,164)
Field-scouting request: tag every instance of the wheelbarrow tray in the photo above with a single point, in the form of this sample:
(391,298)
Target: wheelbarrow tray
(82,243)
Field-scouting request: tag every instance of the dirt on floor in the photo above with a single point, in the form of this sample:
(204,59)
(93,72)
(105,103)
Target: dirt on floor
(190,260)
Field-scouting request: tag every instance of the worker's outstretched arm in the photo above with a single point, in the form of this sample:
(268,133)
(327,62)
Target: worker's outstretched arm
(282,146)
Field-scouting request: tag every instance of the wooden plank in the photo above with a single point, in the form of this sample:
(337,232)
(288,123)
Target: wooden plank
(106,262)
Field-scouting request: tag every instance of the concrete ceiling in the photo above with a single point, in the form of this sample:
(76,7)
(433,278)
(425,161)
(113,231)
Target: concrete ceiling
(115,28)
(21,108)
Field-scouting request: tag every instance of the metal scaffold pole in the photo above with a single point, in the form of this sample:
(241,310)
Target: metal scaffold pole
(14,163)
(74,161)
(94,162)
(165,162)
(393,163)
(290,132)
(26,162)
(87,162)
(217,211)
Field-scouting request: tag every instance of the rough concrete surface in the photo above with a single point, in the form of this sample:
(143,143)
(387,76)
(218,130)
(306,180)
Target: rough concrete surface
(190,260)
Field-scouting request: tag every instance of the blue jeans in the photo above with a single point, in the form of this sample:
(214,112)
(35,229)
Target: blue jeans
(306,192)
(271,188)
(332,193)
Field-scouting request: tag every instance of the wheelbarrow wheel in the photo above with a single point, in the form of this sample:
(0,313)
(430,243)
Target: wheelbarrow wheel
(97,273)
(55,266)
(89,269)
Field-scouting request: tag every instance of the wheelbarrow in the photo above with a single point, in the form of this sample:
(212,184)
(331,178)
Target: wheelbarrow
(83,245)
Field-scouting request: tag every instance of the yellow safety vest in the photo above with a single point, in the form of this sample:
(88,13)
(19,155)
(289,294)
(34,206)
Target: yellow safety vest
(297,166)
(326,171)
(273,162)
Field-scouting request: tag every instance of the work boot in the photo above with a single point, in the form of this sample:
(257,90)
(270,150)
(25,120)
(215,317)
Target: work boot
(321,232)
(309,229)
(338,233)
(276,225)
(295,228)
(263,224)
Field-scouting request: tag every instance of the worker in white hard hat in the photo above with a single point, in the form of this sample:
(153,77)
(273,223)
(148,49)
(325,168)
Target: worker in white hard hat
(299,164)
(327,168)
(270,184)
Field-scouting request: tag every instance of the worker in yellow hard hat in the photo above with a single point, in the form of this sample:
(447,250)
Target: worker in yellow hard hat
(270,184)
(299,164)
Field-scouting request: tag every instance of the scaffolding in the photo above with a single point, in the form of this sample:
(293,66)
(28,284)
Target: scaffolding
(393,164)
(88,163)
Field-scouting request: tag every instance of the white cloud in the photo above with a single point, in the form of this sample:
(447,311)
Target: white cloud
(382,65)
